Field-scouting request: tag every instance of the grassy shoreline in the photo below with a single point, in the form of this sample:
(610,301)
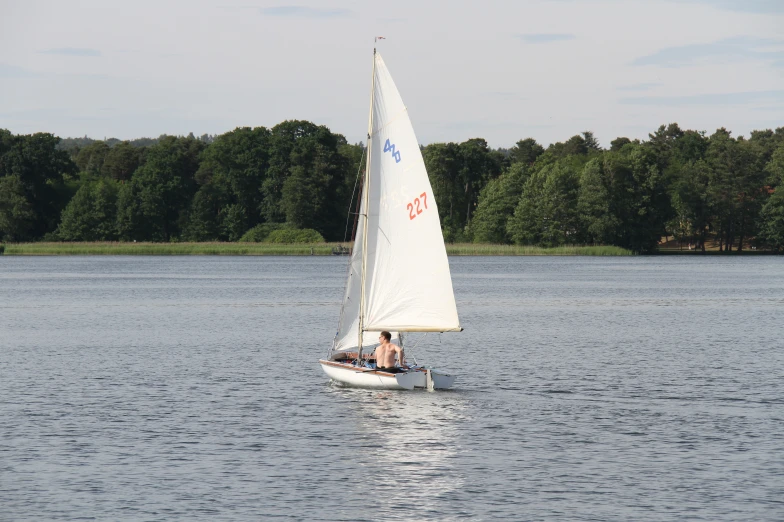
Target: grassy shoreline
(269,249)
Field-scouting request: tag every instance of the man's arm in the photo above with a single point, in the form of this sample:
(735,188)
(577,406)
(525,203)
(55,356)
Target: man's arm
(400,355)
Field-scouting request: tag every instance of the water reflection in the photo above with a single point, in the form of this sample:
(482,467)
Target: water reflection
(407,436)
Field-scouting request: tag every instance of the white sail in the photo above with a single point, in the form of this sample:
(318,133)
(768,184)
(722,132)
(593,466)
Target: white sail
(408,286)
(348,330)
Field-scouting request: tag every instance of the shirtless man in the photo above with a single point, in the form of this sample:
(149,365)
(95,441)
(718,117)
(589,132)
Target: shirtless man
(385,354)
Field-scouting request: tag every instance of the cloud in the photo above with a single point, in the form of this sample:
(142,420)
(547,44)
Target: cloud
(299,11)
(545,37)
(639,87)
(745,6)
(733,98)
(12,71)
(742,48)
(72,51)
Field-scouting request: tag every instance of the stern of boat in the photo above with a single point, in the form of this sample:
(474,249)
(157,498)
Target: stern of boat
(441,379)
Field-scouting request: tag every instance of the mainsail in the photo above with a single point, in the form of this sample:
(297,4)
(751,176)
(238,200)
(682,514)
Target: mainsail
(407,282)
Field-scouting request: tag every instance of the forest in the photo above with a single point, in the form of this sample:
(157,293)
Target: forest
(295,182)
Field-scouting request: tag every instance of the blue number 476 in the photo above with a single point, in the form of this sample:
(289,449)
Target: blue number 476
(390,147)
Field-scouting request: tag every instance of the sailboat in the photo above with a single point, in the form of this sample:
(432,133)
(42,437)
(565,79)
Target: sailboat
(398,274)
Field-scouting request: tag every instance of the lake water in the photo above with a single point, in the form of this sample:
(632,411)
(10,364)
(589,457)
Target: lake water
(187,388)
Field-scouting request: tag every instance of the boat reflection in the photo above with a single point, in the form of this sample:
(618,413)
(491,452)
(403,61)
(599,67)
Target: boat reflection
(410,437)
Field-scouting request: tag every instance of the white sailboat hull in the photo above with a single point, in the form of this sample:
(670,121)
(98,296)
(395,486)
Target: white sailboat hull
(366,378)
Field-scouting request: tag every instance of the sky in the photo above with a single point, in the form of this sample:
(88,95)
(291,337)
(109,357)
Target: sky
(502,70)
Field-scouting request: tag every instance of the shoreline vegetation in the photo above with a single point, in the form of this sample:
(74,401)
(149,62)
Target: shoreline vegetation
(297,183)
(123,248)
(268,249)
(217,248)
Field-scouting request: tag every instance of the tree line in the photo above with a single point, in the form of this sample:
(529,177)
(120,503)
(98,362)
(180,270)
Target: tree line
(301,176)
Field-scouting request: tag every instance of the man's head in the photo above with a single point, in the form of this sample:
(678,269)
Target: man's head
(386,335)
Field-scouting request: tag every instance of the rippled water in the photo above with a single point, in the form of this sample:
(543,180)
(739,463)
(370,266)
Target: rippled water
(166,388)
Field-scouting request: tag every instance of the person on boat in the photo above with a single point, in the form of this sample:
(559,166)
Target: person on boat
(385,354)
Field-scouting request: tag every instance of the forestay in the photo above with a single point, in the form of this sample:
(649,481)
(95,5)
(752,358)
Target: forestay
(407,285)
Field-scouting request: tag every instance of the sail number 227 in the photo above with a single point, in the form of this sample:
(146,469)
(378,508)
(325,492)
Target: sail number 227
(415,208)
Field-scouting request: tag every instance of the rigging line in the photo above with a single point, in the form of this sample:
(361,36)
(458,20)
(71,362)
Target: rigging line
(354,191)
(385,235)
(366,199)
(415,345)
(345,240)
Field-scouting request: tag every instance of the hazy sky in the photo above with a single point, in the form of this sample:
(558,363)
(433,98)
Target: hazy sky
(501,70)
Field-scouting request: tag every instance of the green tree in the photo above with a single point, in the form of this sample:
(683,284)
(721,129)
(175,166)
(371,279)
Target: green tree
(90,159)
(153,205)
(525,151)
(623,199)
(663,142)
(284,138)
(680,154)
(39,167)
(122,160)
(443,163)
(578,145)
(303,198)
(91,214)
(314,193)
(478,165)
(316,196)
(457,174)
(204,218)
(735,188)
(771,219)
(690,146)
(618,143)
(17,217)
(497,202)
(691,200)
(591,143)
(234,222)
(236,164)
(765,142)
(6,144)
(547,211)
(600,224)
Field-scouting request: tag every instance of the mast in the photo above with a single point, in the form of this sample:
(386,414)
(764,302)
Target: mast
(366,199)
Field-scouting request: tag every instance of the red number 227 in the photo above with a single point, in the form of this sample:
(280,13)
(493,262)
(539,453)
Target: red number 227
(414,209)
